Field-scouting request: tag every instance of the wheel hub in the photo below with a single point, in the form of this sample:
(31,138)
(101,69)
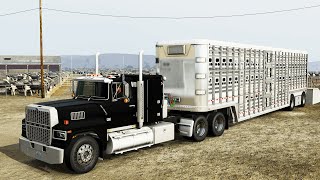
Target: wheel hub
(200,129)
(218,124)
(84,154)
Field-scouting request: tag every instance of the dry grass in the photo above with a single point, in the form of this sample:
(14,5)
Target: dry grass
(280,145)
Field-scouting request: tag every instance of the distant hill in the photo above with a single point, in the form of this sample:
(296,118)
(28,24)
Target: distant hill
(314,66)
(109,61)
(114,61)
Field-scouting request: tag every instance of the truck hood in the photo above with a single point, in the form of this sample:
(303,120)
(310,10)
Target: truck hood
(66,103)
(93,115)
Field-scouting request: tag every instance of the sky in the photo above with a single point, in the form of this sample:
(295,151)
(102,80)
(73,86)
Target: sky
(73,34)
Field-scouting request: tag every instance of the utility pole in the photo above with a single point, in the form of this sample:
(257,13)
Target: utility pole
(41,51)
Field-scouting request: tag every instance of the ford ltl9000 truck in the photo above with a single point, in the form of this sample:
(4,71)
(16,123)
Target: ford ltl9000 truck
(201,87)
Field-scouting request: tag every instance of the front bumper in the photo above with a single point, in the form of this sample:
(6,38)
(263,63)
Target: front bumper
(48,154)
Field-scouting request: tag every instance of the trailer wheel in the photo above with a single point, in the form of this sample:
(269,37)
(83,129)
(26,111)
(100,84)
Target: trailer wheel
(82,154)
(217,123)
(292,103)
(200,129)
(303,99)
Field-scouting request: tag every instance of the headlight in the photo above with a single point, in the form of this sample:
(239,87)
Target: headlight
(60,135)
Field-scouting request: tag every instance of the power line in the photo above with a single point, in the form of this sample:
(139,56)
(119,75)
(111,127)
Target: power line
(166,17)
(184,17)
(19,12)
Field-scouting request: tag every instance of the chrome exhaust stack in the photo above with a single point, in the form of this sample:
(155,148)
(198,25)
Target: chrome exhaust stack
(97,63)
(140,94)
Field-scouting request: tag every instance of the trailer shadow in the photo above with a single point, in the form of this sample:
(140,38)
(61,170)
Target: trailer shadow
(12,151)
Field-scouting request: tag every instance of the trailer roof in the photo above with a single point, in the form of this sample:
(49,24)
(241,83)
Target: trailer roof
(227,44)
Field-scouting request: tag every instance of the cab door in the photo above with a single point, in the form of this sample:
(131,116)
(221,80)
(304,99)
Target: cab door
(122,110)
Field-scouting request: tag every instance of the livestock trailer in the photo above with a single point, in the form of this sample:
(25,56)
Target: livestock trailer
(207,75)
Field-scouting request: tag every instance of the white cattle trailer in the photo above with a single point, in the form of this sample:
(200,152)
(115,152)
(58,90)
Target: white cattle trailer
(244,81)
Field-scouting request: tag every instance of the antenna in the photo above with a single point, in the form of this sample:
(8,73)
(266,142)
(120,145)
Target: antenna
(123,80)
(71,63)
(122,64)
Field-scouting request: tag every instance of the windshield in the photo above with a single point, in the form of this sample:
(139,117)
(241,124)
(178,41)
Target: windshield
(92,89)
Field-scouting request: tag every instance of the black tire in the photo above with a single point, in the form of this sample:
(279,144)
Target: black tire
(82,154)
(303,99)
(292,103)
(217,123)
(200,129)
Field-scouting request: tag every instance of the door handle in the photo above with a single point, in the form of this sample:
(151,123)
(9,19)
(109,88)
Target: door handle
(132,106)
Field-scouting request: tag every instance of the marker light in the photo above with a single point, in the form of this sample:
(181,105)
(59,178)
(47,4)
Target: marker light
(66,122)
(126,100)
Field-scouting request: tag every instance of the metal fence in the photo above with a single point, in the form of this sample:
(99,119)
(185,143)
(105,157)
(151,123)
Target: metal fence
(26,84)
(314,81)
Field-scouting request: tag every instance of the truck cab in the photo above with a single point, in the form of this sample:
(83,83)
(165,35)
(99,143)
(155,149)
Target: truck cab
(101,118)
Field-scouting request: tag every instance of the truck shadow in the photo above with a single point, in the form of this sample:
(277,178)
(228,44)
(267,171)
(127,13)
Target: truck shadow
(13,152)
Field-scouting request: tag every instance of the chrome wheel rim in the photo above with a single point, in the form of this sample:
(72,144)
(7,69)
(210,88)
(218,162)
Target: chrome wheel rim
(200,128)
(218,124)
(85,154)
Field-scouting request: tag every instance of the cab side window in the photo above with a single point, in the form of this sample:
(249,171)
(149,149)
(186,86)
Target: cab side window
(120,90)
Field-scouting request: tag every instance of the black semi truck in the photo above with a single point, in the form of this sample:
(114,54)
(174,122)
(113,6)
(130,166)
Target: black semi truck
(107,115)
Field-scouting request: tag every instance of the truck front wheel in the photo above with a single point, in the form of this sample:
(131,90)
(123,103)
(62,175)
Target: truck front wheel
(82,154)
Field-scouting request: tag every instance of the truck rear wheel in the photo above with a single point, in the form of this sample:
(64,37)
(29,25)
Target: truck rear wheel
(292,103)
(82,154)
(217,123)
(200,129)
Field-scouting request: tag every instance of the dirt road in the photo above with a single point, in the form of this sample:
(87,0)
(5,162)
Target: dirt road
(280,145)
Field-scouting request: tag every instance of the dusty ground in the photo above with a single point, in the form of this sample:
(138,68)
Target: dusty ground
(280,145)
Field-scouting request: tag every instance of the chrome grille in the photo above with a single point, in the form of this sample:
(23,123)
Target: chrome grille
(38,117)
(38,127)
